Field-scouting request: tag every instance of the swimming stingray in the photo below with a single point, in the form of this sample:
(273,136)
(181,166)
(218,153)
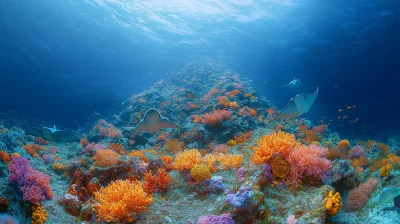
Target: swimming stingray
(293,83)
(52,134)
(298,105)
(152,122)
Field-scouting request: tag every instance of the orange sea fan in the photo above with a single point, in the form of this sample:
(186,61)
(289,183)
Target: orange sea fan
(174,145)
(139,154)
(187,159)
(121,201)
(275,142)
(105,157)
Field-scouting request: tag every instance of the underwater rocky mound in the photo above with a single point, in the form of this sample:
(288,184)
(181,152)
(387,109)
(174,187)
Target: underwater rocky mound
(229,161)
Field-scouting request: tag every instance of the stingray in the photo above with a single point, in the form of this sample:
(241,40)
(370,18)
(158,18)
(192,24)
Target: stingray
(293,83)
(388,194)
(297,106)
(52,134)
(152,122)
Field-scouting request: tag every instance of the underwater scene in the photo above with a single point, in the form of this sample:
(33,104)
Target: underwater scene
(200,111)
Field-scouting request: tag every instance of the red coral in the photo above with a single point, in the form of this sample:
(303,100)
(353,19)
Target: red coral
(163,178)
(150,182)
(216,117)
(309,161)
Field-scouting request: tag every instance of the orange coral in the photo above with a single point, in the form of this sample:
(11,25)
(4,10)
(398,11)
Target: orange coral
(223,100)
(59,167)
(196,118)
(150,182)
(105,157)
(200,172)
(312,136)
(39,215)
(230,161)
(163,178)
(385,170)
(5,157)
(344,144)
(33,149)
(334,154)
(233,93)
(187,159)
(192,106)
(139,154)
(360,162)
(118,148)
(242,137)
(167,159)
(121,201)
(174,145)
(270,144)
(84,142)
(210,94)
(41,141)
(231,142)
(333,203)
(233,105)
(216,117)
(270,111)
(279,166)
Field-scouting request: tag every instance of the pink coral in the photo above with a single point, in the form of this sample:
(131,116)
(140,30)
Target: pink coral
(216,117)
(357,151)
(34,185)
(309,161)
(359,196)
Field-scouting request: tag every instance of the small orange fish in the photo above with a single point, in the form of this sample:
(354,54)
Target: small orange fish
(345,117)
(349,107)
(340,110)
(321,121)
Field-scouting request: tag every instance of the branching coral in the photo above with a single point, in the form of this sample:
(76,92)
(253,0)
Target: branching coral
(200,172)
(33,149)
(150,182)
(121,201)
(174,145)
(333,203)
(105,157)
(187,159)
(309,161)
(267,145)
(39,215)
(359,196)
(216,117)
(34,185)
(163,179)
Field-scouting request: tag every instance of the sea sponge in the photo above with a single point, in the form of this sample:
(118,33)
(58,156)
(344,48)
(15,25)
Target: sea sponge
(33,149)
(385,170)
(105,157)
(187,159)
(267,145)
(344,144)
(333,203)
(121,201)
(279,166)
(200,172)
(39,215)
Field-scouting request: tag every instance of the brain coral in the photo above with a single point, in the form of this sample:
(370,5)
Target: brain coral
(200,172)
(105,157)
(270,144)
(121,201)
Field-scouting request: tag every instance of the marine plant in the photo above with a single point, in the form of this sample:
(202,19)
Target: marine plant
(121,201)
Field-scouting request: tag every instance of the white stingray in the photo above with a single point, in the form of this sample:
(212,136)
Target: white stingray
(152,122)
(298,105)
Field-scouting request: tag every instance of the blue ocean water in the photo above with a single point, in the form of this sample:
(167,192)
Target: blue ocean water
(63,60)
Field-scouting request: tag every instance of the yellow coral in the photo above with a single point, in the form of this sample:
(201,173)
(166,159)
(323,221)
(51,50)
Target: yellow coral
(231,143)
(39,215)
(333,203)
(385,170)
(121,201)
(270,144)
(187,159)
(200,172)
(230,161)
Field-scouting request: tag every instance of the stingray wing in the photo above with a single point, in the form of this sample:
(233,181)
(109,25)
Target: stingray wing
(37,132)
(165,123)
(388,194)
(64,136)
(305,101)
(142,126)
(298,105)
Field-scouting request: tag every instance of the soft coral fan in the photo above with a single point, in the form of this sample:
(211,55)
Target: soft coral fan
(309,161)
(34,185)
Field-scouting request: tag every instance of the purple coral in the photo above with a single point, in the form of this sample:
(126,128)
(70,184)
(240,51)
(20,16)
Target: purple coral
(241,199)
(215,219)
(240,174)
(357,151)
(34,185)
